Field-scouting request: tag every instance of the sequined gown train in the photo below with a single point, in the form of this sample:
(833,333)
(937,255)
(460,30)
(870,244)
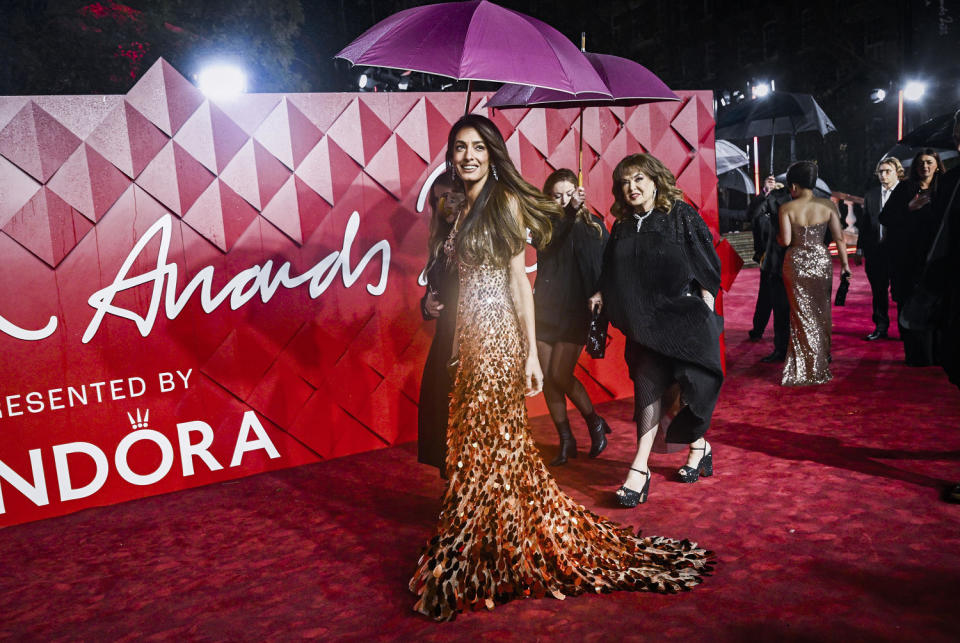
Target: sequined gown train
(505,529)
(808,277)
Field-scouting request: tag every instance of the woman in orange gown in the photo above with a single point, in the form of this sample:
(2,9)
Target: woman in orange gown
(506,530)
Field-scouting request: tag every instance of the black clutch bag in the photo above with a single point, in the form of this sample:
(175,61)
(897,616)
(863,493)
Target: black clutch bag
(597,335)
(841,297)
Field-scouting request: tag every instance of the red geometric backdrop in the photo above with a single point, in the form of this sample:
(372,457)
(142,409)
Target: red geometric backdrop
(269,315)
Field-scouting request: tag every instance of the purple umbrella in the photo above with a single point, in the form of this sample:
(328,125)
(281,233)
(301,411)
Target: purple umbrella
(476,40)
(628,83)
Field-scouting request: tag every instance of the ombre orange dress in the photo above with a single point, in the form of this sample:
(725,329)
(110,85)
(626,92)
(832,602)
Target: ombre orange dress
(506,530)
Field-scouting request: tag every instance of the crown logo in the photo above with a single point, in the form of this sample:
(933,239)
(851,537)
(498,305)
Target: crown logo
(139,422)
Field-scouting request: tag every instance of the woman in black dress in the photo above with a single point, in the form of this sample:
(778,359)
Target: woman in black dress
(911,224)
(439,303)
(568,271)
(659,280)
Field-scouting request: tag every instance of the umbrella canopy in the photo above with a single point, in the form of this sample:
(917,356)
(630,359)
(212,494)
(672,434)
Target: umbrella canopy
(476,40)
(736,179)
(627,83)
(937,133)
(729,156)
(776,113)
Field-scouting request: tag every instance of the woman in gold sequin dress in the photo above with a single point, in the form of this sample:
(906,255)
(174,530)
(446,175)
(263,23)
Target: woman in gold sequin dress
(808,276)
(505,529)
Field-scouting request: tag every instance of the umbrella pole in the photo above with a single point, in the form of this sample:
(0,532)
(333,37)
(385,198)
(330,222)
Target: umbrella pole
(466,106)
(580,152)
(772,136)
(793,148)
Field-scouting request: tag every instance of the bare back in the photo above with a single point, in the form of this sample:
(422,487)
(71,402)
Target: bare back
(807,212)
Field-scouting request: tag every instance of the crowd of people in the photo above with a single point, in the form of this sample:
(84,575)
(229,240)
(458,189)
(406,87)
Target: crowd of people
(506,530)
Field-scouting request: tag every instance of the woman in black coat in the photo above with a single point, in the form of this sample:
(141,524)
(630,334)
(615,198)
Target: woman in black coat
(659,280)
(439,303)
(911,224)
(568,271)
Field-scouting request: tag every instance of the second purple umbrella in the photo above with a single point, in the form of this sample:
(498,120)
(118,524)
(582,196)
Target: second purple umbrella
(627,83)
(476,40)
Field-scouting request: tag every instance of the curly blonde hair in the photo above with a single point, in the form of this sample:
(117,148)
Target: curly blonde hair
(667,191)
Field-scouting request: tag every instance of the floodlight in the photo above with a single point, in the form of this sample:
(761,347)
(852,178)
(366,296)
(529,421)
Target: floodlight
(914,90)
(222,81)
(760,90)
(878,95)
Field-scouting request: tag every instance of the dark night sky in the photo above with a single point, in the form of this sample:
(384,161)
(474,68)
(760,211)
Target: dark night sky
(836,50)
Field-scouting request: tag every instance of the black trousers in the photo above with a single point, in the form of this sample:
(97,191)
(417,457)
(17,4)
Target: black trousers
(877,267)
(764,305)
(781,312)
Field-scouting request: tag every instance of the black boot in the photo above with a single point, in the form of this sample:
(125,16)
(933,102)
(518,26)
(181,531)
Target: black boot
(598,429)
(568,446)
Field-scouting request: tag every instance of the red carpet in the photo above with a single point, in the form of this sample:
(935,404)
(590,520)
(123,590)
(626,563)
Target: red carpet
(824,513)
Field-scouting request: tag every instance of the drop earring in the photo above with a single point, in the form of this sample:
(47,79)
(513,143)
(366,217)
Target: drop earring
(493,171)
(453,174)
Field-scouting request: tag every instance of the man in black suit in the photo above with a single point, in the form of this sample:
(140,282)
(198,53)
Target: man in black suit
(771,271)
(871,243)
(760,224)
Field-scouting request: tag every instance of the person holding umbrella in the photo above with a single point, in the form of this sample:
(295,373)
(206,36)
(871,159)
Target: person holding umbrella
(660,277)
(568,270)
(506,530)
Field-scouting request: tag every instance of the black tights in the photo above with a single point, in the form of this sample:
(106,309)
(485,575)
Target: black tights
(557,362)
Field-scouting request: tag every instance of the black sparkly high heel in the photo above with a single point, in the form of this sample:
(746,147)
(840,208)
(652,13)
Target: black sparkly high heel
(627,497)
(704,467)
(598,438)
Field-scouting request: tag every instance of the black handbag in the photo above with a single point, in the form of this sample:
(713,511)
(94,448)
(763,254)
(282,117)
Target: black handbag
(597,334)
(842,289)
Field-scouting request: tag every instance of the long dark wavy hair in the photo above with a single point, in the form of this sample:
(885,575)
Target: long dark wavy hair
(667,191)
(915,174)
(583,214)
(490,234)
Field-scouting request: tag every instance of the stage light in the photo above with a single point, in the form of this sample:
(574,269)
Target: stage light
(363,80)
(914,90)
(222,81)
(878,95)
(760,90)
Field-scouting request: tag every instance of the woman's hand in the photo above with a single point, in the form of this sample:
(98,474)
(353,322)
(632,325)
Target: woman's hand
(845,272)
(432,304)
(578,198)
(920,200)
(595,302)
(534,375)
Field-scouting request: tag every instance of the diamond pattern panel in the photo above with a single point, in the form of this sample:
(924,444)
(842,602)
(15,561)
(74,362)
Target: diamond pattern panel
(127,139)
(211,137)
(165,97)
(175,178)
(16,189)
(48,227)
(89,182)
(37,142)
(263,190)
